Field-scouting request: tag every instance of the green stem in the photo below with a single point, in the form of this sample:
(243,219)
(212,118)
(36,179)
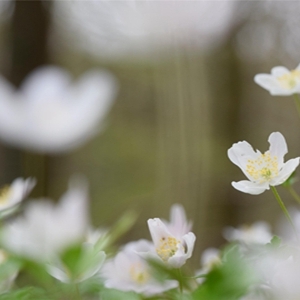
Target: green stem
(282,206)
(77,291)
(180,281)
(297,102)
(294,194)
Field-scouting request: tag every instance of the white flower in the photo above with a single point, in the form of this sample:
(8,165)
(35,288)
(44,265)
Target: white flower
(128,271)
(46,229)
(281,81)
(49,113)
(172,249)
(178,225)
(262,169)
(258,233)
(12,195)
(134,28)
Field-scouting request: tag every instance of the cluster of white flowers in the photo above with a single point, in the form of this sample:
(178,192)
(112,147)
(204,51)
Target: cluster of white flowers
(61,240)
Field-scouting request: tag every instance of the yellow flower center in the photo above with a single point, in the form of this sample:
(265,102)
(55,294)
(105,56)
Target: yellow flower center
(5,192)
(138,273)
(264,168)
(167,248)
(289,81)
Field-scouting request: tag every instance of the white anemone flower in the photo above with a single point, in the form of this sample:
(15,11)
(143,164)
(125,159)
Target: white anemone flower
(51,114)
(12,195)
(281,81)
(262,169)
(128,271)
(171,249)
(46,229)
(258,233)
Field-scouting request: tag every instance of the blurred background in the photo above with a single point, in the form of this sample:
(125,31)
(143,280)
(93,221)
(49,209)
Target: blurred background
(186,94)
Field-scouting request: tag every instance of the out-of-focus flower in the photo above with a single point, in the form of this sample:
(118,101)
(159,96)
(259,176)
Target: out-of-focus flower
(257,233)
(172,249)
(128,271)
(210,258)
(262,169)
(49,113)
(13,194)
(281,81)
(46,230)
(279,271)
(178,225)
(134,28)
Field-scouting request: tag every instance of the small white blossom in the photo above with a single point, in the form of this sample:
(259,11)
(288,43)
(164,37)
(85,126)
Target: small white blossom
(262,169)
(51,114)
(12,195)
(128,271)
(257,233)
(281,81)
(173,250)
(46,229)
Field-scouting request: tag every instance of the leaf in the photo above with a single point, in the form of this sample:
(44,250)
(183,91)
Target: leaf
(227,281)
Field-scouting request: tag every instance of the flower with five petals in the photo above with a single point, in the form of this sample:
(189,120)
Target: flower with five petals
(262,169)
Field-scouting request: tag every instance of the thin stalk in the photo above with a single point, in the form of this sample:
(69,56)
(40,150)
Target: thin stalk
(297,102)
(77,291)
(294,194)
(282,206)
(180,281)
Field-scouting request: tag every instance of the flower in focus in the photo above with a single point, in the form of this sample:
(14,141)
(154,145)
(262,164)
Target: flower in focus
(12,195)
(128,271)
(178,225)
(173,250)
(281,81)
(262,169)
(258,233)
(46,230)
(51,114)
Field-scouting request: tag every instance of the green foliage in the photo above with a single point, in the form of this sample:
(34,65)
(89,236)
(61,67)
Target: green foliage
(111,294)
(227,281)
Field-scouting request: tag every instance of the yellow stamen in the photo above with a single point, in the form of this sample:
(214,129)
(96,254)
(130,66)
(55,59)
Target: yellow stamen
(264,168)
(167,248)
(138,273)
(5,192)
(289,81)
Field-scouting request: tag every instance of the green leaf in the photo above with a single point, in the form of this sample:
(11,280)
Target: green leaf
(275,242)
(227,281)
(111,294)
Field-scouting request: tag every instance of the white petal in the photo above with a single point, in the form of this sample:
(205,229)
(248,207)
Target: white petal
(179,225)
(58,273)
(179,259)
(45,83)
(278,147)
(250,187)
(286,171)
(240,153)
(279,71)
(157,230)
(266,81)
